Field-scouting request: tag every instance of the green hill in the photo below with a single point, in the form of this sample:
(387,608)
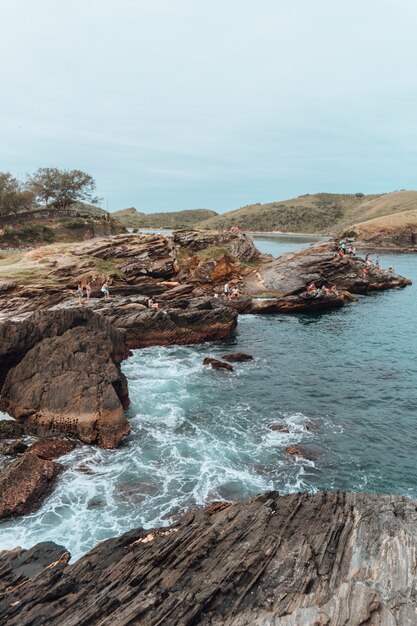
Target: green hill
(191,218)
(316,213)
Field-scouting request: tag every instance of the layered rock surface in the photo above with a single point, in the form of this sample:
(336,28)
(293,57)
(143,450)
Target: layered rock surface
(336,559)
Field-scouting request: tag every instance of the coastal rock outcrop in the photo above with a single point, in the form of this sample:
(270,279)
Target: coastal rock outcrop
(61,375)
(341,559)
(25,482)
(289,274)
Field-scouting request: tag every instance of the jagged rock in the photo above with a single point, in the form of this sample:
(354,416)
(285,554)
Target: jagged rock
(288,304)
(339,559)
(10,429)
(24,483)
(238,245)
(14,448)
(50,449)
(218,365)
(237,357)
(62,376)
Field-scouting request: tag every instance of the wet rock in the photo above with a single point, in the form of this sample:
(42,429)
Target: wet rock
(10,429)
(14,448)
(328,558)
(281,428)
(24,483)
(218,365)
(237,357)
(50,449)
(294,451)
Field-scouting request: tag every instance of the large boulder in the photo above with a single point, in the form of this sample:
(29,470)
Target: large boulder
(62,376)
(24,483)
(340,559)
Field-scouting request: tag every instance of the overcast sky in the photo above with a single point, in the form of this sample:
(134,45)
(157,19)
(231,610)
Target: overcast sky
(174,104)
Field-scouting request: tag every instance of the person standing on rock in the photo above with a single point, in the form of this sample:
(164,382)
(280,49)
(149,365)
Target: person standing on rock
(88,291)
(226,291)
(80,294)
(105,289)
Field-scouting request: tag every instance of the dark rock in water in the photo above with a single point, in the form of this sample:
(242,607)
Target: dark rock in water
(294,451)
(62,376)
(24,483)
(237,357)
(14,448)
(336,559)
(50,449)
(10,429)
(218,365)
(279,427)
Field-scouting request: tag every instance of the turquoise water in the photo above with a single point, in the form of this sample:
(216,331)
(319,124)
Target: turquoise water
(343,382)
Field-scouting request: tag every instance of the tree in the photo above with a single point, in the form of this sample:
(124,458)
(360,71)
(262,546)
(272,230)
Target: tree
(62,188)
(43,183)
(14,198)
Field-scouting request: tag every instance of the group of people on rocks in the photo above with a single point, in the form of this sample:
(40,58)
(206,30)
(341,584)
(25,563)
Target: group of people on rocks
(345,249)
(325,292)
(230,295)
(105,289)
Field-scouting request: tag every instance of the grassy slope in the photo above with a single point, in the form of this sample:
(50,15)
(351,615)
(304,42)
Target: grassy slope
(175,219)
(318,213)
(388,223)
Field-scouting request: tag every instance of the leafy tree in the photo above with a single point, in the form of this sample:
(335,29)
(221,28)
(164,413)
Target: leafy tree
(62,188)
(14,198)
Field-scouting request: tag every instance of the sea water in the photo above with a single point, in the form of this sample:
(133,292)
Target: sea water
(343,382)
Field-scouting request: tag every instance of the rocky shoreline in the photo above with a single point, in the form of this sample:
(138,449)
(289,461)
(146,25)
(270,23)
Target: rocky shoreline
(60,362)
(61,382)
(335,558)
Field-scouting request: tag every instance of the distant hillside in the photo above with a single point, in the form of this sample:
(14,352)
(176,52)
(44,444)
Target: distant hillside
(131,218)
(394,230)
(316,213)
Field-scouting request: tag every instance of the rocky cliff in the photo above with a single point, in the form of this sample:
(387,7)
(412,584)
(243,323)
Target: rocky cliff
(335,559)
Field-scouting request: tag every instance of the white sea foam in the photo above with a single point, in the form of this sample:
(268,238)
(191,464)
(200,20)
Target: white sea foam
(193,441)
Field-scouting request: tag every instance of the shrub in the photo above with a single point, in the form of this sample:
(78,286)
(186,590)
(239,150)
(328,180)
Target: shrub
(31,233)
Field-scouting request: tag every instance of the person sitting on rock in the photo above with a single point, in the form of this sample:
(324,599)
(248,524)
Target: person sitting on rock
(311,288)
(80,294)
(235,293)
(334,291)
(152,303)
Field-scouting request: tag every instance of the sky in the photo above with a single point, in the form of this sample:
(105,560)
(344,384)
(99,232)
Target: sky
(176,104)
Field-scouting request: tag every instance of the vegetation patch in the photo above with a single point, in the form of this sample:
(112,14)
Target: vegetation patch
(31,233)
(212,253)
(106,267)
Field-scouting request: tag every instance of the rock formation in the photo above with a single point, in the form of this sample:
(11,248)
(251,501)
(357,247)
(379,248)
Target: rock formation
(25,482)
(339,559)
(289,274)
(61,375)
(218,365)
